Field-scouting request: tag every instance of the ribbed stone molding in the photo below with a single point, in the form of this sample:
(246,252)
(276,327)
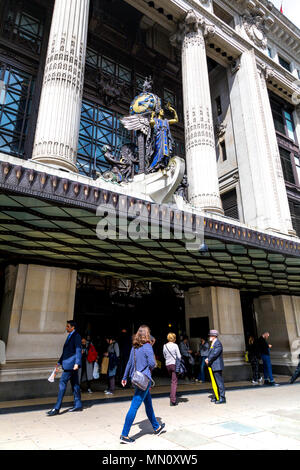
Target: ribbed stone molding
(201,159)
(56,137)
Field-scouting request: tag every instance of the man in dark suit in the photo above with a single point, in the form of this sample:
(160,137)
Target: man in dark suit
(215,361)
(70,361)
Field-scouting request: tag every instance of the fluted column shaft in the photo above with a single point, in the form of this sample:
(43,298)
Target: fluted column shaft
(56,137)
(199,133)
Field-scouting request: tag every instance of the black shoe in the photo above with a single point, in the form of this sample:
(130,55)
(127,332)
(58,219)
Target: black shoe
(173,404)
(291,381)
(213,400)
(75,409)
(53,412)
(158,431)
(219,402)
(267,382)
(274,384)
(126,440)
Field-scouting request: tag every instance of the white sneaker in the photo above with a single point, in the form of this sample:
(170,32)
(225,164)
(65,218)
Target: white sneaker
(89,390)
(107,392)
(254,382)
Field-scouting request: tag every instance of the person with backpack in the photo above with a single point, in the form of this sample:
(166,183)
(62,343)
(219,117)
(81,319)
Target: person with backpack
(171,352)
(139,369)
(113,353)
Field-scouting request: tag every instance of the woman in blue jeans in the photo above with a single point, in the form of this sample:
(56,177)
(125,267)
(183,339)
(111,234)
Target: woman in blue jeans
(141,357)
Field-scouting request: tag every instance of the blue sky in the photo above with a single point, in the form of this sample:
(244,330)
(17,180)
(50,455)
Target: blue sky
(291,9)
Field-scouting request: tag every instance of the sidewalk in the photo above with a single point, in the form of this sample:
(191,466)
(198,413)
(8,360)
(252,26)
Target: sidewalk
(258,418)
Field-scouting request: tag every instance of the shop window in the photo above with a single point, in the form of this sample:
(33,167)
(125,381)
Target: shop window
(16,95)
(24,25)
(99,126)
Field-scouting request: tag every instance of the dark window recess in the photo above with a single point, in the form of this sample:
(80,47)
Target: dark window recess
(229,203)
(283,118)
(270,52)
(199,327)
(24,24)
(223,150)
(99,126)
(295,214)
(223,15)
(219,105)
(15,102)
(287,167)
(284,63)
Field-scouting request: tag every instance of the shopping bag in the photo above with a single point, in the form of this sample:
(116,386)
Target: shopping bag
(96,374)
(104,365)
(52,376)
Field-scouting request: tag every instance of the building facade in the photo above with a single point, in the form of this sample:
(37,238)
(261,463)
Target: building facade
(69,72)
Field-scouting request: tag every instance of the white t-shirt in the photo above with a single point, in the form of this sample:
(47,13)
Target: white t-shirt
(171,351)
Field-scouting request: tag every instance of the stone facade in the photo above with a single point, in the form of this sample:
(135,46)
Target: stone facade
(245,39)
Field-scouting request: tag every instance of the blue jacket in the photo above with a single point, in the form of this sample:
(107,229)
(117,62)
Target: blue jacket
(71,354)
(145,361)
(215,356)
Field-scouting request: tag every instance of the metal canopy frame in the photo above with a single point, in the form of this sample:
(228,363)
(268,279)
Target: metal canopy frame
(45,219)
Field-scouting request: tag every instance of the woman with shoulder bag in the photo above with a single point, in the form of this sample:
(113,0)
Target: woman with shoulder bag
(139,367)
(171,354)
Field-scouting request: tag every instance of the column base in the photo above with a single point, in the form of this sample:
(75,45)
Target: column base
(59,163)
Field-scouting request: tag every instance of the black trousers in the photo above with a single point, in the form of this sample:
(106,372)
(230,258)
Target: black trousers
(296,373)
(220,383)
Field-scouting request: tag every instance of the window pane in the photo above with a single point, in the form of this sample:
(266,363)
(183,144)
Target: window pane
(287,167)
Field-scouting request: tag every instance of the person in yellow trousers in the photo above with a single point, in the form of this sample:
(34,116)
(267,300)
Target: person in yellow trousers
(215,365)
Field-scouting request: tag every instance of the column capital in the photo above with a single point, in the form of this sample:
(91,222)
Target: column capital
(265,71)
(192,23)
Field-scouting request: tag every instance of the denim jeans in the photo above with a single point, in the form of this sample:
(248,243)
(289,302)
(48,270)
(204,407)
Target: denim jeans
(139,397)
(201,375)
(67,375)
(267,367)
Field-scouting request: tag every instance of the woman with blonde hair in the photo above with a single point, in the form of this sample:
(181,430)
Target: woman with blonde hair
(141,359)
(171,352)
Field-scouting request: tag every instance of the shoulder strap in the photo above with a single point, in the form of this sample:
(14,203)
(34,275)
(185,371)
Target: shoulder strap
(170,352)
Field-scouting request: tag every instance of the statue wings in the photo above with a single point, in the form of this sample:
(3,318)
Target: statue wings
(136,122)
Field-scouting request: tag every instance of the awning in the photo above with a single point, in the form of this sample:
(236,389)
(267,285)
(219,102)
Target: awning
(49,220)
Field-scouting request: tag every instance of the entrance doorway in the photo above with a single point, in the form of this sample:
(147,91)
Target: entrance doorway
(248,312)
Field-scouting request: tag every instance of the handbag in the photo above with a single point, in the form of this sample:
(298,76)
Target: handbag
(96,374)
(104,365)
(139,379)
(180,368)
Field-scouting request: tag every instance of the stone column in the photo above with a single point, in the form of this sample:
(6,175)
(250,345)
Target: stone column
(280,316)
(56,137)
(37,302)
(199,133)
(222,306)
(263,190)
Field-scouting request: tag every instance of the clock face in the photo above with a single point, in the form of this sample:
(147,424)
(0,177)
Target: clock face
(143,103)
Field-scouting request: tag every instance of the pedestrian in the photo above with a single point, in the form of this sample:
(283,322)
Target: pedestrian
(113,353)
(215,361)
(171,353)
(296,373)
(88,358)
(264,350)
(70,361)
(186,353)
(203,352)
(253,357)
(141,359)
(124,342)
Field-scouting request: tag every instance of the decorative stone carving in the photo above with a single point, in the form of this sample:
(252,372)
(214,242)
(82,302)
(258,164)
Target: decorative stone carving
(109,88)
(220,130)
(254,26)
(266,71)
(191,25)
